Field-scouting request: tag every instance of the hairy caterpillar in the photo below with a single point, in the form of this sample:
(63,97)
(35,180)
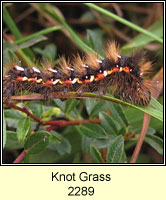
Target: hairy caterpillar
(121,75)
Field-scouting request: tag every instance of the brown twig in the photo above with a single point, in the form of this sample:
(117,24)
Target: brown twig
(62,123)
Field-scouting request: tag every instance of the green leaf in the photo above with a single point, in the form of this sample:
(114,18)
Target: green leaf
(13,28)
(93,107)
(47,115)
(156,105)
(103,143)
(151,110)
(122,131)
(97,108)
(108,123)
(115,151)
(157,125)
(61,144)
(37,142)
(95,38)
(95,155)
(50,52)
(12,141)
(60,104)
(56,139)
(92,130)
(12,114)
(36,107)
(90,103)
(23,128)
(12,117)
(141,40)
(155,142)
(10,23)
(123,158)
(29,43)
(37,34)
(85,143)
(120,111)
(98,143)
(70,105)
(118,116)
(4,130)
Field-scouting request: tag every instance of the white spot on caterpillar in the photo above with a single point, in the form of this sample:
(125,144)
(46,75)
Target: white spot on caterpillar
(86,77)
(105,73)
(39,80)
(91,78)
(100,71)
(56,81)
(119,56)
(35,69)
(74,80)
(86,66)
(121,69)
(19,68)
(117,66)
(52,70)
(140,73)
(99,61)
(71,69)
(24,78)
(131,70)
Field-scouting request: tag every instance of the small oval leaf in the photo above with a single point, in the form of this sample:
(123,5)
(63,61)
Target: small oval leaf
(115,151)
(95,155)
(50,51)
(155,142)
(92,130)
(97,108)
(70,105)
(108,123)
(12,141)
(23,128)
(37,142)
(90,103)
(60,144)
(119,110)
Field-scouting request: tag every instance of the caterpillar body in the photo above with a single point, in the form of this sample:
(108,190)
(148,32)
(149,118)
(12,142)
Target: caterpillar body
(122,76)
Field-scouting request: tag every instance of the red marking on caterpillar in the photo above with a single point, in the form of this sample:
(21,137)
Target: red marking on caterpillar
(120,75)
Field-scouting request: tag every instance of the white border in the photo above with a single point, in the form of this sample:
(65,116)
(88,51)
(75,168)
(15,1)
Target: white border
(129,164)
